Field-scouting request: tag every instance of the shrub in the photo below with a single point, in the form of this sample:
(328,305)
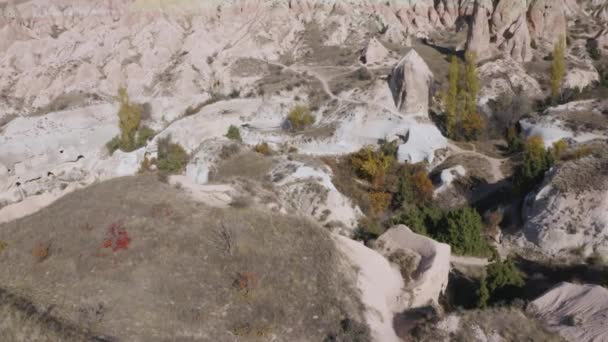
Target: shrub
(117,238)
(41,251)
(172,158)
(3,246)
(507,110)
(535,163)
(144,134)
(369,228)
(462,229)
(234,133)
(380,201)
(246,282)
(371,165)
(300,118)
(263,148)
(502,278)
(422,186)
(559,147)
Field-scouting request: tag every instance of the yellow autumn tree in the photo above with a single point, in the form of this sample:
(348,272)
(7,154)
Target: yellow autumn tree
(558,68)
(129,116)
(450,98)
(472,122)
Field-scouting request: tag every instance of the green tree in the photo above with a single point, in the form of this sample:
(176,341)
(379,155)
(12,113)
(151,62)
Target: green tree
(558,68)
(451,97)
(462,229)
(502,280)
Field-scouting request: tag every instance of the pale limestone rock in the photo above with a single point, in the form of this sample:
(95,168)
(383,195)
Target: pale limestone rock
(410,84)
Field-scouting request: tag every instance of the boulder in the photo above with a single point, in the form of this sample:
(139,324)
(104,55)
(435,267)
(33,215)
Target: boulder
(424,263)
(547,22)
(577,312)
(410,83)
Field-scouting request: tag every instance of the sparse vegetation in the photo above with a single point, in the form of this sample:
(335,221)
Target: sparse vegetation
(3,246)
(234,133)
(299,118)
(172,158)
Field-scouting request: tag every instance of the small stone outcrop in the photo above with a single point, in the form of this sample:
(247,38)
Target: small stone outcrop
(547,22)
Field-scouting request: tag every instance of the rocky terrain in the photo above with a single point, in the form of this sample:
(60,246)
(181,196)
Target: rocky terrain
(315,170)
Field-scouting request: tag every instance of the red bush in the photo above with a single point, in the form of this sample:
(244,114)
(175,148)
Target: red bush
(117,239)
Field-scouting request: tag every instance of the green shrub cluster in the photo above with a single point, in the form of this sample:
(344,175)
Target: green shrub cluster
(536,161)
(171,157)
(300,118)
(501,280)
(461,228)
(234,133)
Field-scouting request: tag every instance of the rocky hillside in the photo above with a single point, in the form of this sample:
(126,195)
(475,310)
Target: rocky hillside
(416,156)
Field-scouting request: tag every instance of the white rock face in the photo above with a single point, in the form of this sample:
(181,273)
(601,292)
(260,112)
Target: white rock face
(576,312)
(410,83)
(570,211)
(430,277)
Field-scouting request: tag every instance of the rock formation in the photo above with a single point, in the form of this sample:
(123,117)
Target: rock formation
(424,261)
(410,83)
(570,211)
(478,40)
(510,29)
(547,22)
(576,312)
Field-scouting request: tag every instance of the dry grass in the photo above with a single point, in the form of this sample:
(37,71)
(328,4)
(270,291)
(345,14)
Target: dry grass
(248,164)
(175,280)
